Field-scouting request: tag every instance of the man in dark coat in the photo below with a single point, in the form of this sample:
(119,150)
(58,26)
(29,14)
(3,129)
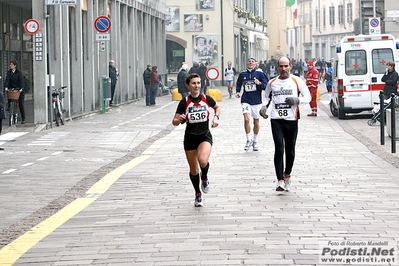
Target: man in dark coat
(113,75)
(147,84)
(391,79)
(181,81)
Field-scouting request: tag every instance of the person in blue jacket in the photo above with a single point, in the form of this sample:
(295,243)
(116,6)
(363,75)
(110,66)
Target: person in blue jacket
(251,83)
(328,77)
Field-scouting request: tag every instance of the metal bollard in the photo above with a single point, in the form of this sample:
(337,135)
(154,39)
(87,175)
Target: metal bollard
(382,118)
(393,124)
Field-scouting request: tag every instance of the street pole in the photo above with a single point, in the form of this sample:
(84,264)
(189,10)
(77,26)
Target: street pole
(48,45)
(221,39)
(360,17)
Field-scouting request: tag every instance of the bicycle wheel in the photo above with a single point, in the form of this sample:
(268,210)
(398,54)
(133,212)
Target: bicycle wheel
(57,115)
(11,113)
(61,112)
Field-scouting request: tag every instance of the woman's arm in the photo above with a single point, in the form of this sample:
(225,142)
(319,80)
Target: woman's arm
(215,120)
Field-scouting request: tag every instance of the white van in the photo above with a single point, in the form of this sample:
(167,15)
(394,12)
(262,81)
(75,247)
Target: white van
(359,66)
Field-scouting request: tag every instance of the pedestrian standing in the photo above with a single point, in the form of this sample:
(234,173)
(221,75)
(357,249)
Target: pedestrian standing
(181,81)
(2,112)
(154,81)
(195,110)
(251,83)
(284,94)
(328,77)
(113,75)
(230,73)
(312,81)
(390,78)
(204,80)
(147,84)
(15,80)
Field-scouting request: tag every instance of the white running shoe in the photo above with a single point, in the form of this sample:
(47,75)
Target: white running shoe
(280,186)
(287,182)
(255,146)
(205,186)
(248,145)
(198,200)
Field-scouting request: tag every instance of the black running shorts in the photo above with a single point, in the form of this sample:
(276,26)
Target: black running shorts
(191,142)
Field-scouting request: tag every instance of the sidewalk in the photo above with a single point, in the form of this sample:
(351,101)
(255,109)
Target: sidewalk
(344,188)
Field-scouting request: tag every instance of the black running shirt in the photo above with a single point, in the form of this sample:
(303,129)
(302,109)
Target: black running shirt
(197,113)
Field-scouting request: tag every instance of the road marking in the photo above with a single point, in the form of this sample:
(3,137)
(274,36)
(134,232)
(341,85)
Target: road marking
(9,171)
(10,253)
(42,159)
(10,136)
(26,164)
(13,251)
(49,139)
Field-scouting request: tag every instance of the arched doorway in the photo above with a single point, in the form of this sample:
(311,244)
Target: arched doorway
(175,53)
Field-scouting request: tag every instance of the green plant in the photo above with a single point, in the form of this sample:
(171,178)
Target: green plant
(242,13)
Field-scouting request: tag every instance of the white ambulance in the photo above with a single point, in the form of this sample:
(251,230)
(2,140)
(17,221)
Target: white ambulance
(359,66)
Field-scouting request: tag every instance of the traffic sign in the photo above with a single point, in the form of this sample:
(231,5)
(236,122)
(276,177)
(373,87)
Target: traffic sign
(102,24)
(375,26)
(32,26)
(212,73)
(103,37)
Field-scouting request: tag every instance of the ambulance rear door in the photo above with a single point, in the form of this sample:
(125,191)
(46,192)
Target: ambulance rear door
(365,64)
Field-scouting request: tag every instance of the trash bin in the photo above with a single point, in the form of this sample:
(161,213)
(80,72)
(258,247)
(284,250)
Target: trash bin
(106,86)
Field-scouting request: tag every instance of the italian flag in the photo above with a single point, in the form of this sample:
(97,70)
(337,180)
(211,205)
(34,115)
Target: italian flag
(293,5)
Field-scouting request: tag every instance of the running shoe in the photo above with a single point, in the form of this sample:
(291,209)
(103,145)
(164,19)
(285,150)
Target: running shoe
(205,186)
(248,145)
(287,182)
(255,146)
(280,185)
(198,200)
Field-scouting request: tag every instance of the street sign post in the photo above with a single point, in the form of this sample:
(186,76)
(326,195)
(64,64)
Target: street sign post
(212,73)
(102,24)
(32,26)
(374,26)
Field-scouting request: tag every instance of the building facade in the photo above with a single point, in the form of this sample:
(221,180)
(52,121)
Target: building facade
(215,32)
(321,24)
(69,48)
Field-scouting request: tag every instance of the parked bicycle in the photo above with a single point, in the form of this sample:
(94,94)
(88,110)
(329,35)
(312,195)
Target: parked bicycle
(58,110)
(172,85)
(13,108)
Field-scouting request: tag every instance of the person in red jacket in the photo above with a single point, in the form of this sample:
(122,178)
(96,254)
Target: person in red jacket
(154,82)
(312,81)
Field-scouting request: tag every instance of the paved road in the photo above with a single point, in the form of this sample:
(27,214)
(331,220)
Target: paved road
(113,189)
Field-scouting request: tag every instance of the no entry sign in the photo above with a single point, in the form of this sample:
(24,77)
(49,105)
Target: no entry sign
(102,24)
(212,73)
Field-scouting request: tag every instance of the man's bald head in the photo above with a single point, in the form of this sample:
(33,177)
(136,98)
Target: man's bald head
(284,60)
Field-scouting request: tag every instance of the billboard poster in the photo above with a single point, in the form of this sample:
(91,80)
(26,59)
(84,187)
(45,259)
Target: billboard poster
(205,49)
(193,22)
(205,4)
(172,18)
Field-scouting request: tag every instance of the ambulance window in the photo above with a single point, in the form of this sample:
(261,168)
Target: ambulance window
(355,62)
(380,59)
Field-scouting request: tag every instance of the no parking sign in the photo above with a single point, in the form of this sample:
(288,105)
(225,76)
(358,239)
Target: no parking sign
(374,26)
